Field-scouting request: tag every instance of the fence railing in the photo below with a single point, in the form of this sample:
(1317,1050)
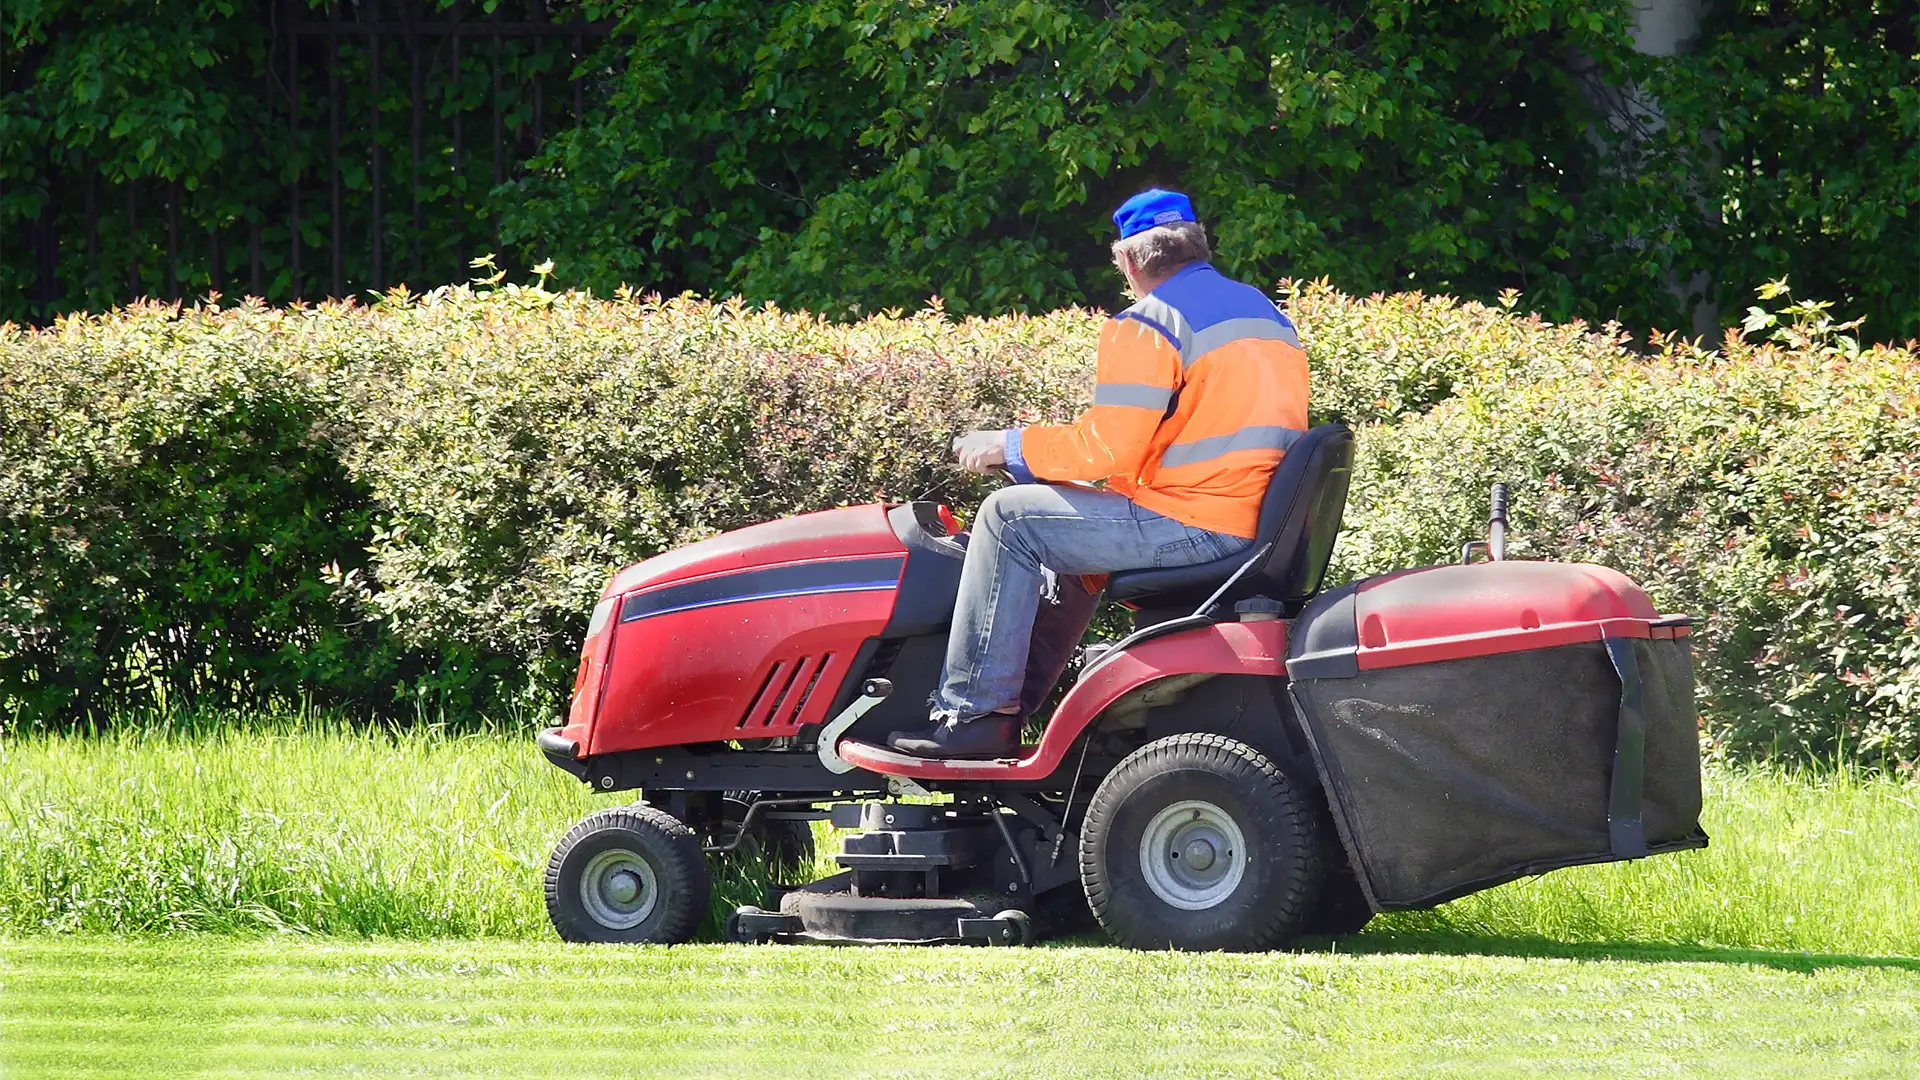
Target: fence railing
(372,137)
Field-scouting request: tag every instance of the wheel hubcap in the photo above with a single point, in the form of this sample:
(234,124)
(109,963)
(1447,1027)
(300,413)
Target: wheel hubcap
(618,889)
(1193,855)
(623,887)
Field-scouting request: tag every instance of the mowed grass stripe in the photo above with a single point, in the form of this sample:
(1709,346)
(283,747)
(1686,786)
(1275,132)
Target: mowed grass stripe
(639,1051)
(500,1009)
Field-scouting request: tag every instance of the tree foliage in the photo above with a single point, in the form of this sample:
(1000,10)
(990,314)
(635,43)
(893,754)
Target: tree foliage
(850,155)
(867,153)
(1792,146)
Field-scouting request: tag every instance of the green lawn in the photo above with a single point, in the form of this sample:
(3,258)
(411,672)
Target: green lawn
(432,836)
(222,1006)
(274,902)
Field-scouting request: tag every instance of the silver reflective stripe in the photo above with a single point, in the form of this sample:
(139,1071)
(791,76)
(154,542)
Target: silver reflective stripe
(1139,395)
(1220,333)
(1247,438)
(1167,316)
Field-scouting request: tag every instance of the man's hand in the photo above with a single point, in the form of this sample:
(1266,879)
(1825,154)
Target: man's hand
(981,451)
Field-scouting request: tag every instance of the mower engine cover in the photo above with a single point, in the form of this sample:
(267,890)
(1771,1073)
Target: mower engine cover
(757,633)
(1475,724)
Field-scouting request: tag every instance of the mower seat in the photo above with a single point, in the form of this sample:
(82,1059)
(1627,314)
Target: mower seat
(1300,515)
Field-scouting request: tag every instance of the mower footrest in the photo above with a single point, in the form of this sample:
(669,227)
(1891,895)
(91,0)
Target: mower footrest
(889,762)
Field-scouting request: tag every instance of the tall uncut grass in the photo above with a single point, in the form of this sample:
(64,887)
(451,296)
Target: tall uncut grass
(295,827)
(416,833)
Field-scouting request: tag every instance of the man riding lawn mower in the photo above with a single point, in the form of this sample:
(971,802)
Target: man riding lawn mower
(1258,759)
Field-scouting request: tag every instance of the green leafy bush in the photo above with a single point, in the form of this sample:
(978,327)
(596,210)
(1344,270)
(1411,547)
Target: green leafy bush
(527,443)
(1772,488)
(166,497)
(412,505)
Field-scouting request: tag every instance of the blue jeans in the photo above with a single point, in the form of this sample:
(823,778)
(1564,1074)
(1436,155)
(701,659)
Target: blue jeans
(1018,616)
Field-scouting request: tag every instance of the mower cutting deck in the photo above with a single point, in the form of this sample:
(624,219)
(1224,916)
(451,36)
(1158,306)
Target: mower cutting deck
(1259,759)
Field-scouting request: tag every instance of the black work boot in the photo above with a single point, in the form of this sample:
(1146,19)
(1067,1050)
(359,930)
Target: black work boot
(995,735)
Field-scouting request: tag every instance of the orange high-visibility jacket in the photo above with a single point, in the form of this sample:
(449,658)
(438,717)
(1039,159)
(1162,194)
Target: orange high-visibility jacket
(1201,387)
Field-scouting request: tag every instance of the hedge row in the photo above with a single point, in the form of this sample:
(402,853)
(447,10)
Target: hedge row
(411,506)
(1773,488)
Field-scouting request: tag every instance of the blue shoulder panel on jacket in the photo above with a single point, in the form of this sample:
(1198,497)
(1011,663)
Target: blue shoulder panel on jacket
(1214,310)
(1148,320)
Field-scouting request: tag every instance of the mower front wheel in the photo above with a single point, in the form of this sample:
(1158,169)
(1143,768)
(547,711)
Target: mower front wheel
(629,874)
(1200,842)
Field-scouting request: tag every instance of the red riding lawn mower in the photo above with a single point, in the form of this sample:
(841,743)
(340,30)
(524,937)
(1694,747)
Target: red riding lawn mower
(1257,760)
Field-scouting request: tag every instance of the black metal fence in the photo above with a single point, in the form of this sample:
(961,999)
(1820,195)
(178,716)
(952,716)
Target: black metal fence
(369,142)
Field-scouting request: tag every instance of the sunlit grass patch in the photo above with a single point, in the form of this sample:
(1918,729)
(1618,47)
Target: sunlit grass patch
(274,826)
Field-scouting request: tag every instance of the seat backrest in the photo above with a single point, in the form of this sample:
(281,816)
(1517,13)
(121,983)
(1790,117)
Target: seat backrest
(1304,510)
(1301,516)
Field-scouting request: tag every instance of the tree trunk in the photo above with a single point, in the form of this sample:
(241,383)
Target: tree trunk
(1660,28)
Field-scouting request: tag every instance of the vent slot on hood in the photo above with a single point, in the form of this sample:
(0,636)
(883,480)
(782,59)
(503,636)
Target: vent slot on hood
(785,692)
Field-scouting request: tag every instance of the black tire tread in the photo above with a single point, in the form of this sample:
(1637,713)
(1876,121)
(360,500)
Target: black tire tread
(1218,754)
(685,882)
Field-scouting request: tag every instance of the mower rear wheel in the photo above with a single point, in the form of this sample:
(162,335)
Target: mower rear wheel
(630,874)
(1200,842)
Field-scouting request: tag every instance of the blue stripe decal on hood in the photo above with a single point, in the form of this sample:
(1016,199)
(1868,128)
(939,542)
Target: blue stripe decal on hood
(768,583)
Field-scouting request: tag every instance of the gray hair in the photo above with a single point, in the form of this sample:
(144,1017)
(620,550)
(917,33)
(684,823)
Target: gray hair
(1165,248)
